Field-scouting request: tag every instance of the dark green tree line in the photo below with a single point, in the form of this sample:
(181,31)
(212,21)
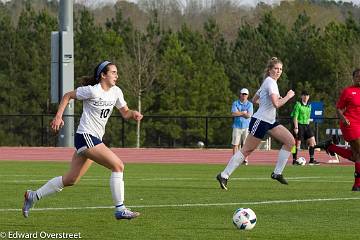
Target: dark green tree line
(171,72)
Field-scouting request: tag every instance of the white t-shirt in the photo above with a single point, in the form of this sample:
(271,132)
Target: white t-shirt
(98,105)
(267,110)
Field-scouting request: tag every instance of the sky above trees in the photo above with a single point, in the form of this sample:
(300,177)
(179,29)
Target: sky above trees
(249,3)
(246,3)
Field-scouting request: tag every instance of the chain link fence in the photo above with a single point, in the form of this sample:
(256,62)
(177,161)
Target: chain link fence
(156,131)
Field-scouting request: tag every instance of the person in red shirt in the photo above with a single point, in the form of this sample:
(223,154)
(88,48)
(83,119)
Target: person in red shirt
(348,110)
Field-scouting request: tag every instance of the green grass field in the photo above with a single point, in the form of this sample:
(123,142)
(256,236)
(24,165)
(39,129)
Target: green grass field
(185,202)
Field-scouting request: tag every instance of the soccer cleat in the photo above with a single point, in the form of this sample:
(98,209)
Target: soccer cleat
(126,214)
(325,145)
(355,187)
(222,181)
(279,177)
(28,202)
(314,163)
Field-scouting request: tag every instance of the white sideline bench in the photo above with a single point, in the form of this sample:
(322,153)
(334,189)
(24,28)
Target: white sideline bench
(266,144)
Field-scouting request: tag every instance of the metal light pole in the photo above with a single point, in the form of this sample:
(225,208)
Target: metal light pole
(62,69)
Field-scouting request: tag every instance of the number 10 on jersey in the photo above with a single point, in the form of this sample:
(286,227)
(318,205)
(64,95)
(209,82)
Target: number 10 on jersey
(104,113)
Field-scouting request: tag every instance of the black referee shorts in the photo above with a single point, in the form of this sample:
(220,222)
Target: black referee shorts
(305,132)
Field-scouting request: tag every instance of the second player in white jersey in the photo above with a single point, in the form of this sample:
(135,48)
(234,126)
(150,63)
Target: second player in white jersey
(267,110)
(264,122)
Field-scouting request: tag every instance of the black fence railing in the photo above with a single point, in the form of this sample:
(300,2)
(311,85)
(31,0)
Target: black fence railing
(155,131)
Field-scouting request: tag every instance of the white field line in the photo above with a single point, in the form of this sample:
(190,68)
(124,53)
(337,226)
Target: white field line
(191,204)
(325,181)
(329,178)
(165,178)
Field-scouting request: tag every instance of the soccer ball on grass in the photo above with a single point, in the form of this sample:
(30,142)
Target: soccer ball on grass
(244,219)
(301,161)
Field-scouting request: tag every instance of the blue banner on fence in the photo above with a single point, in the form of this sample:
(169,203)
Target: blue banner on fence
(317,112)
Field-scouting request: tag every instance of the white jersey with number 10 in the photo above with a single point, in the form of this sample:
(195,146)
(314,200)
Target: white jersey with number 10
(98,105)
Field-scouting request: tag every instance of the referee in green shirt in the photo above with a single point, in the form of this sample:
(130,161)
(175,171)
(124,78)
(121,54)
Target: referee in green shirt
(301,127)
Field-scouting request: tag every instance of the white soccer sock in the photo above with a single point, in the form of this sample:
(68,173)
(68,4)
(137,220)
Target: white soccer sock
(282,160)
(54,185)
(117,189)
(234,163)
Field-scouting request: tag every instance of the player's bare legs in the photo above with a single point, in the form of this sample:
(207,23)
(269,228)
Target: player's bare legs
(286,138)
(250,145)
(105,157)
(78,167)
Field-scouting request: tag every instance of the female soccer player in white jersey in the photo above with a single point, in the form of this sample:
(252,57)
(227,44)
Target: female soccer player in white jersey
(99,95)
(262,122)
